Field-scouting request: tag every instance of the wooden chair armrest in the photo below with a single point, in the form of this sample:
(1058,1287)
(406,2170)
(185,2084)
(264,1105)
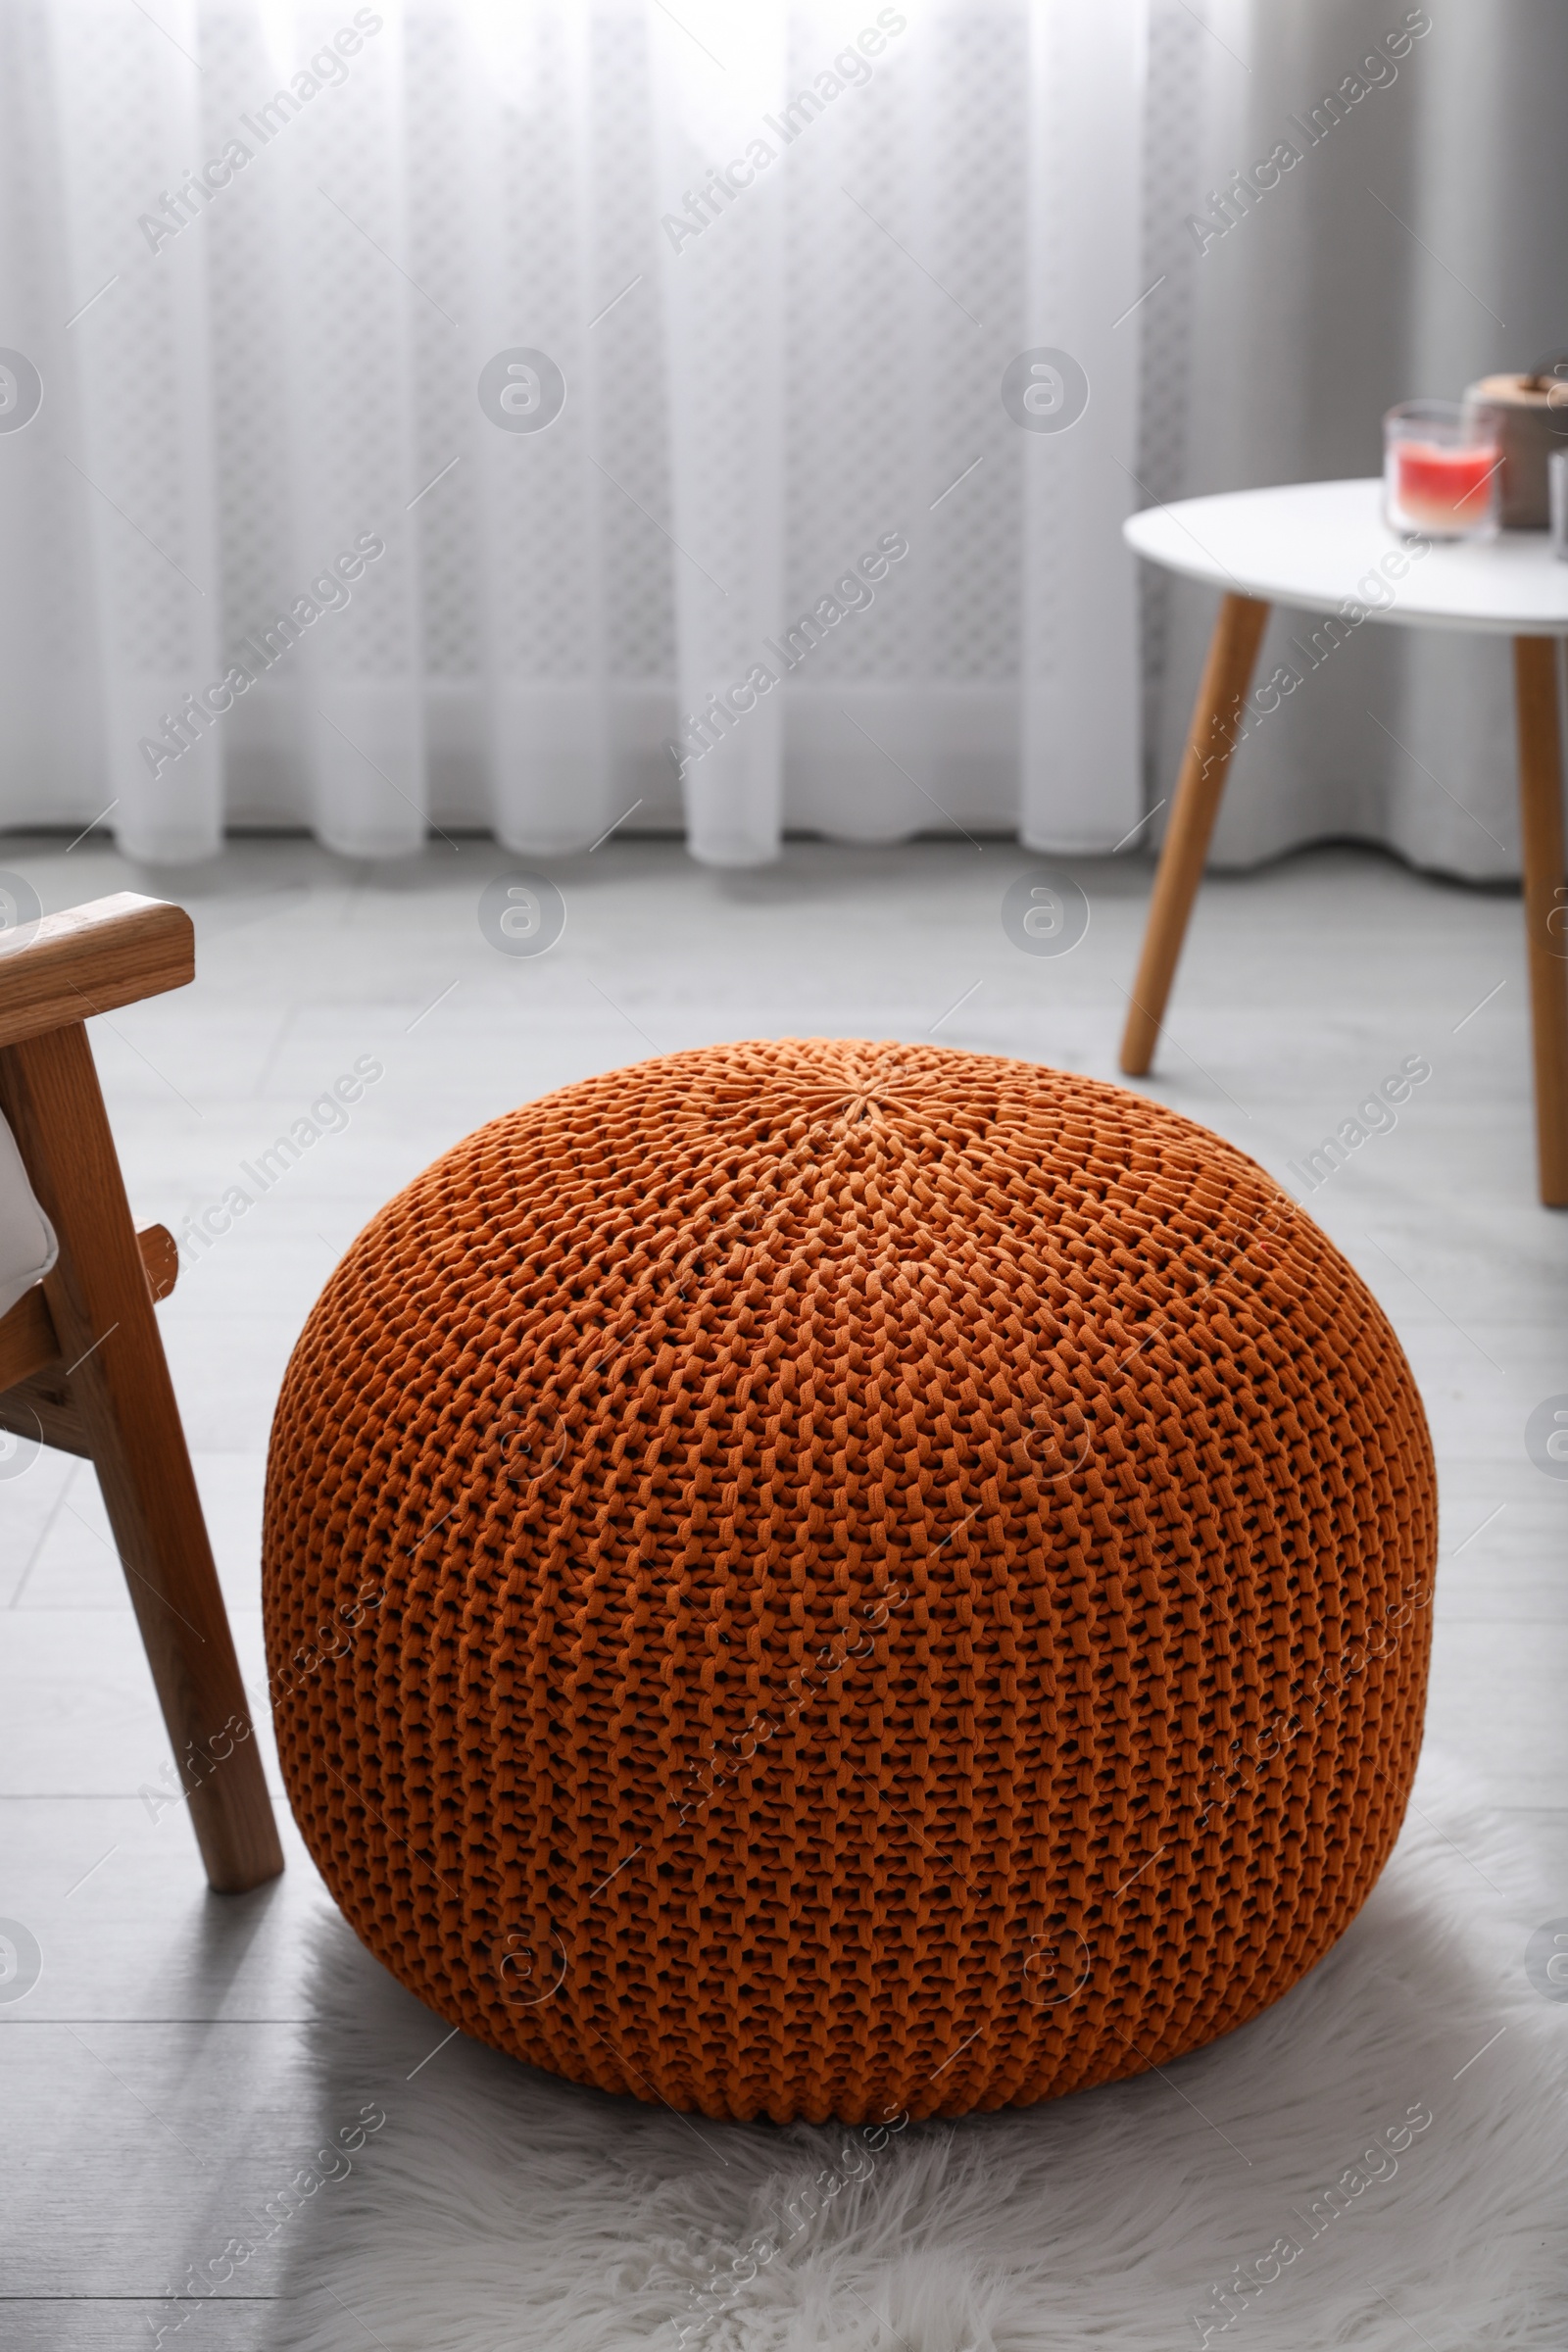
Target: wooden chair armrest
(90,959)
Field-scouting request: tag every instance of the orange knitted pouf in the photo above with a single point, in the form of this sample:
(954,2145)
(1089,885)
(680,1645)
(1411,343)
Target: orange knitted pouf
(818,1580)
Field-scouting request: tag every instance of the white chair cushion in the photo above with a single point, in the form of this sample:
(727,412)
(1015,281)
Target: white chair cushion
(27,1245)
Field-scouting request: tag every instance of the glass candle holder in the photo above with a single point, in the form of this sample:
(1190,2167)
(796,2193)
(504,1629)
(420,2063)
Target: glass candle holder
(1441,464)
(1557,498)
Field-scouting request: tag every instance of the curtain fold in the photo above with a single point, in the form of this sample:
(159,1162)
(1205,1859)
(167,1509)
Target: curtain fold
(350,355)
(527,500)
(1081,787)
(124,441)
(718,86)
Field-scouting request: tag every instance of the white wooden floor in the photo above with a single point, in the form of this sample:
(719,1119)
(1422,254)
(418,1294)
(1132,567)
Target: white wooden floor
(158,2085)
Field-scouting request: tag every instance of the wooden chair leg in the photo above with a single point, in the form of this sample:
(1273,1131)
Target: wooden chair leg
(123,1399)
(1211,741)
(1535,677)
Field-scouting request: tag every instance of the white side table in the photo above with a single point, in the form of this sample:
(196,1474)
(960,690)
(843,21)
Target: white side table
(1323,546)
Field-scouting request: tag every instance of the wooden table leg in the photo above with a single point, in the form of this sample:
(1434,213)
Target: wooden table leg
(1211,741)
(1535,677)
(124,1400)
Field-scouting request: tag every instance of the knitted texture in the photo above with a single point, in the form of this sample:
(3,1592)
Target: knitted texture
(818,1579)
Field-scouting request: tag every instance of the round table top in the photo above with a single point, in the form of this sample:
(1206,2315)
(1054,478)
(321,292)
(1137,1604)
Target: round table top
(1318,544)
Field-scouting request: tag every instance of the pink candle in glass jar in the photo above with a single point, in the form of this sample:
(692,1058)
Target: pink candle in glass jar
(1440,470)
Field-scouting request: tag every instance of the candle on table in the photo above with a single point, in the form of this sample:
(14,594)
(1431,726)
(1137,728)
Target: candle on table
(1439,471)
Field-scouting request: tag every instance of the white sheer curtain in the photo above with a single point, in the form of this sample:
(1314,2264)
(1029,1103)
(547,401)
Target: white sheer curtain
(777,259)
(276,549)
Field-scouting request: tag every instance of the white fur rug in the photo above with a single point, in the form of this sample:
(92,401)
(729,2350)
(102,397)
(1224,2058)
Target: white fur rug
(498,2210)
